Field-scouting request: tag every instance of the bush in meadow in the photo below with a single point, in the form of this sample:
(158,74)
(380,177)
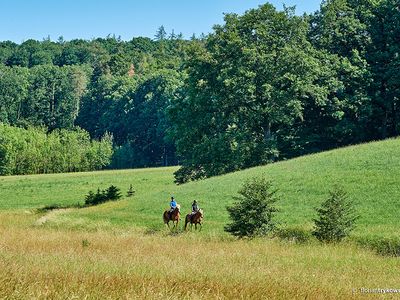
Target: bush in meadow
(252,214)
(336,217)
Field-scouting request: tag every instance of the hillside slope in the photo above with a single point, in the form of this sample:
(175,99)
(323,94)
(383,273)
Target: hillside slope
(369,172)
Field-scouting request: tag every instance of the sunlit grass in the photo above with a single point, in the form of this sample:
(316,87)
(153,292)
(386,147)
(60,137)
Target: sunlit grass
(370,173)
(122,249)
(44,263)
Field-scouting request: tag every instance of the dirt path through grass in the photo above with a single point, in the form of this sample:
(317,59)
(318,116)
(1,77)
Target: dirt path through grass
(51,216)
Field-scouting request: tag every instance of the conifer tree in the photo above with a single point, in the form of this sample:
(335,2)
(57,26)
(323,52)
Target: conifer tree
(336,217)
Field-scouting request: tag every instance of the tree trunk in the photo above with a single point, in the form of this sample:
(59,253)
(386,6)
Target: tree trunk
(267,132)
(384,125)
(394,117)
(165,156)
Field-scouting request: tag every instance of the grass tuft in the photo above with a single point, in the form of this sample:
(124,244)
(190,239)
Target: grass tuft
(295,235)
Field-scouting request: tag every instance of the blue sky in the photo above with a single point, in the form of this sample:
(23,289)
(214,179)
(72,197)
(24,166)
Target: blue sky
(37,19)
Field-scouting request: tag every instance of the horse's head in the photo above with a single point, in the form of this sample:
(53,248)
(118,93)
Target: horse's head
(178,207)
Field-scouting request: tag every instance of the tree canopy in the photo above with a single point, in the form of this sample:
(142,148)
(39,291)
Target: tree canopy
(263,86)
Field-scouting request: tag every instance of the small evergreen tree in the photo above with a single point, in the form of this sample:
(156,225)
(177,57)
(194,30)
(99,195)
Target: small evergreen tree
(101,196)
(95,199)
(112,193)
(254,210)
(161,34)
(336,217)
(89,198)
(131,191)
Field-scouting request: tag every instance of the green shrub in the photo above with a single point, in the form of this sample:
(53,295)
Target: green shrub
(336,217)
(252,214)
(90,198)
(131,191)
(110,194)
(85,243)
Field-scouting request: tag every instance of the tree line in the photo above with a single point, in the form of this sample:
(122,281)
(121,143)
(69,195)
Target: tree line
(34,151)
(270,85)
(263,86)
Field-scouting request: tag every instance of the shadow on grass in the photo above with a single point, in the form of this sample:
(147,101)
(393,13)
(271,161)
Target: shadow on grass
(382,246)
(51,207)
(389,247)
(152,230)
(294,235)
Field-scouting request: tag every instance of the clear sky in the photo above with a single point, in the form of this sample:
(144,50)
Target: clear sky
(24,19)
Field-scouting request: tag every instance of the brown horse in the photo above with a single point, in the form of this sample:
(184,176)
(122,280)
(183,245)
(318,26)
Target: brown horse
(195,219)
(174,216)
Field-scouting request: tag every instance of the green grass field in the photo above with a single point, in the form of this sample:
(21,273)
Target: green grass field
(95,250)
(370,173)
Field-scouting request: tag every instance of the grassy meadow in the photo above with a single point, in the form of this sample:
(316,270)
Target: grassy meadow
(122,249)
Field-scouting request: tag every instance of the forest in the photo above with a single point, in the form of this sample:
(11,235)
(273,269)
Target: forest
(264,86)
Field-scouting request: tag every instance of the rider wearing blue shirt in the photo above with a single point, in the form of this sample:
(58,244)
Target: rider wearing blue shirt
(172,203)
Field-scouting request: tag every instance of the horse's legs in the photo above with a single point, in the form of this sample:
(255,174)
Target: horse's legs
(187,222)
(175,224)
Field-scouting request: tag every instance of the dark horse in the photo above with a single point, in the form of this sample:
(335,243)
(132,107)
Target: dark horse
(195,219)
(174,216)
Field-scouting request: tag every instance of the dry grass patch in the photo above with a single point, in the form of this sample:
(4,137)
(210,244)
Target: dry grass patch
(42,263)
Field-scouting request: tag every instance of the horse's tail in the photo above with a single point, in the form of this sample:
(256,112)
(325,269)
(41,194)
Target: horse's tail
(165,217)
(187,221)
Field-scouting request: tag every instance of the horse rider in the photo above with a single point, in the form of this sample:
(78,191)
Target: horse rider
(195,207)
(173,205)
